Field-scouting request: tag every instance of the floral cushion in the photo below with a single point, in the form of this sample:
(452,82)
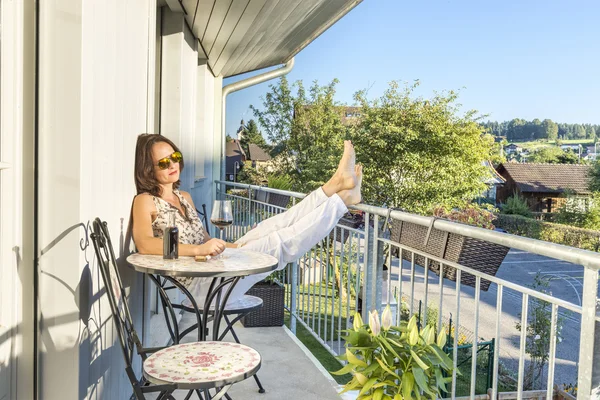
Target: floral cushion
(202,364)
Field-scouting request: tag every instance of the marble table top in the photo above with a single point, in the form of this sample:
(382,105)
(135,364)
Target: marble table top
(233,262)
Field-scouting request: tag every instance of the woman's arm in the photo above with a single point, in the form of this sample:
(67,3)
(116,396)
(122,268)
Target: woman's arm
(146,243)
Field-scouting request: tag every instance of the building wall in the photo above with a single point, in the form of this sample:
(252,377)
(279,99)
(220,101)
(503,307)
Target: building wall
(94,77)
(99,87)
(190,107)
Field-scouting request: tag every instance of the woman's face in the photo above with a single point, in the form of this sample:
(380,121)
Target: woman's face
(161,150)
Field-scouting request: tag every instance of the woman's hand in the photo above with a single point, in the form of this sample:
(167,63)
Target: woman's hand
(212,248)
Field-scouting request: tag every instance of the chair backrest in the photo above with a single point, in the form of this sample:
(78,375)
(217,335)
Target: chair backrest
(107,263)
(203,216)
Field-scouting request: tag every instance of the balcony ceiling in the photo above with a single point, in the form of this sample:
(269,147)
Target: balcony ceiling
(239,36)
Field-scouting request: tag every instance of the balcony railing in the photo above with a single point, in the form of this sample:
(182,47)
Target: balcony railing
(345,273)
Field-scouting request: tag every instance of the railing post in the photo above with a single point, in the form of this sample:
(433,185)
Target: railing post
(587,353)
(293,292)
(596,365)
(373,257)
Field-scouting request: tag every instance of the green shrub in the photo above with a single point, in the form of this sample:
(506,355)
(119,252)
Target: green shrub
(580,212)
(516,205)
(567,235)
(471,214)
(282,182)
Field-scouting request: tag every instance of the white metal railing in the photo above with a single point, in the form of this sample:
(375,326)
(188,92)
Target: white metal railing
(344,273)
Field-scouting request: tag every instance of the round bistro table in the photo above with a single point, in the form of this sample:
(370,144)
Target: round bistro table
(225,271)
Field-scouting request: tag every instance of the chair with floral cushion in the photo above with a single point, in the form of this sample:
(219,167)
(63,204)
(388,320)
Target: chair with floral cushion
(196,367)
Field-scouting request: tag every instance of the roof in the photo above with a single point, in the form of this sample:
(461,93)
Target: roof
(238,36)
(496,178)
(233,149)
(257,153)
(234,154)
(548,178)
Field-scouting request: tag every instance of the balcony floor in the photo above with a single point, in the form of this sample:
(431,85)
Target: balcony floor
(288,369)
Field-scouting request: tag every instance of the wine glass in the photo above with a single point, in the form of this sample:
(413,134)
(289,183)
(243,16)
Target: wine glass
(222,214)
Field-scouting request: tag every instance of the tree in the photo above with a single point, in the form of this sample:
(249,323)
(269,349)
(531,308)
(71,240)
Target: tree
(579,132)
(546,155)
(549,129)
(306,130)
(417,152)
(594,177)
(535,129)
(568,157)
(249,133)
(278,114)
(553,155)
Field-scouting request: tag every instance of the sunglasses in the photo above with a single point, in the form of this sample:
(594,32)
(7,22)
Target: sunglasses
(164,163)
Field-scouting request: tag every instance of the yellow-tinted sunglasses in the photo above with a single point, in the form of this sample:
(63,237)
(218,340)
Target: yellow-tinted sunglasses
(164,163)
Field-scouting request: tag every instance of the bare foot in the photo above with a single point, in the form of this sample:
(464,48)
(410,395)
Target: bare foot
(353,196)
(347,163)
(345,176)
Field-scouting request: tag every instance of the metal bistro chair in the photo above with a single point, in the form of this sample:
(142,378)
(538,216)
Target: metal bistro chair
(237,310)
(196,367)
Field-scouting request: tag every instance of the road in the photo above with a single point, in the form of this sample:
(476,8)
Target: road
(565,282)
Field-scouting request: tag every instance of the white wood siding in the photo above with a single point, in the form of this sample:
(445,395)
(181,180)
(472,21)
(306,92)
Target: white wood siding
(94,95)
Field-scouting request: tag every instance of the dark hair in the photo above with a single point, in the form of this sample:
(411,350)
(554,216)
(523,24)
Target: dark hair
(145,180)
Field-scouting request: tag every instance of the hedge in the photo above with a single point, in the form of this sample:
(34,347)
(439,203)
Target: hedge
(570,236)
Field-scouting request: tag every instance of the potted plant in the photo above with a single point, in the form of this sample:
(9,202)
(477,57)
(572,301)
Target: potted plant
(271,313)
(473,253)
(395,362)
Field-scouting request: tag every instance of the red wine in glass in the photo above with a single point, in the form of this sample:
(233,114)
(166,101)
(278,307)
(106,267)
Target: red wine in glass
(222,214)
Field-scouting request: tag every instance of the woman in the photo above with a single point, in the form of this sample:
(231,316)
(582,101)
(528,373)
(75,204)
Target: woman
(287,236)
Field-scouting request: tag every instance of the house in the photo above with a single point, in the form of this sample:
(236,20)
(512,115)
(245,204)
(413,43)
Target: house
(80,81)
(258,156)
(493,182)
(513,149)
(543,185)
(234,159)
(573,147)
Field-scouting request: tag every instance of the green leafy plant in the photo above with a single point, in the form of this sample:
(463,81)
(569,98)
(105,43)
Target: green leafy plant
(471,214)
(516,205)
(395,362)
(538,342)
(282,182)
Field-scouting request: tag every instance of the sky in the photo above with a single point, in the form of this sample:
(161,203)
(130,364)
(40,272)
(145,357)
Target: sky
(509,58)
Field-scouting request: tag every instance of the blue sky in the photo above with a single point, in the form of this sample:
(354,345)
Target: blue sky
(510,58)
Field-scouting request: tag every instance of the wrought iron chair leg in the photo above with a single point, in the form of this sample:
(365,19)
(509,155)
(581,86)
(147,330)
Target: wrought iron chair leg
(229,328)
(261,389)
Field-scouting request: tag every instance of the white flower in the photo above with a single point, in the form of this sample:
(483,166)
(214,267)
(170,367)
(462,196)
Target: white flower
(386,318)
(358,322)
(374,323)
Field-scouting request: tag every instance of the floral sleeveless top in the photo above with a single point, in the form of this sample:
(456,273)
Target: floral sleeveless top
(191,229)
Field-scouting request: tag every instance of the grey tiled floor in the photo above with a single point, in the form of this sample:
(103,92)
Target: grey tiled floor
(286,372)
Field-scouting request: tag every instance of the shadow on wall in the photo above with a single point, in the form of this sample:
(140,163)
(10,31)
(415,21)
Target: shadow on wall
(98,351)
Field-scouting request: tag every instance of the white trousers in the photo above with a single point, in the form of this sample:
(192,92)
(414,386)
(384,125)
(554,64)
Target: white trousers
(286,236)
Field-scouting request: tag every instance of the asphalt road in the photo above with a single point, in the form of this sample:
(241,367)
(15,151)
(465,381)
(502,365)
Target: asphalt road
(565,282)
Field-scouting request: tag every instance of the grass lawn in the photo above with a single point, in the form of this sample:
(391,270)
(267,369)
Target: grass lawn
(319,307)
(536,144)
